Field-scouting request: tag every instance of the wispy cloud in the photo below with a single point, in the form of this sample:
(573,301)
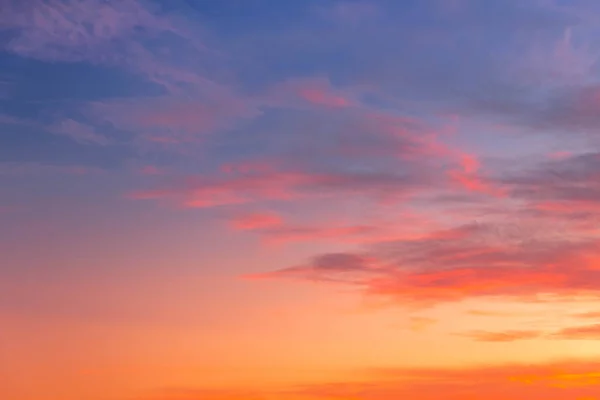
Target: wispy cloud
(505,336)
(113,34)
(80,133)
(585,332)
(23,169)
(460,266)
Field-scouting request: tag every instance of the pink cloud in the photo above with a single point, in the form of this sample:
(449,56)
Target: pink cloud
(349,233)
(256,221)
(316,92)
(321,97)
(469,177)
(550,249)
(451,267)
(274,229)
(173,120)
(276,184)
(560,155)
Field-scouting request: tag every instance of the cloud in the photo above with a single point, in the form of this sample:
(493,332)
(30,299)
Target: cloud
(586,332)
(22,169)
(581,332)
(277,183)
(366,154)
(316,92)
(574,378)
(256,221)
(77,131)
(129,34)
(467,262)
(567,380)
(206,394)
(352,117)
(505,336)
(80,133)
(589,314)
(469,177)
(304,154)
(537,241)
(66,30)
(420,324)
(563,186)
(273,228)
(508,314)
(173,119)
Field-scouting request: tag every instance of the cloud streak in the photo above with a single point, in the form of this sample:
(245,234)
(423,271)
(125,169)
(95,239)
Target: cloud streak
(574,379)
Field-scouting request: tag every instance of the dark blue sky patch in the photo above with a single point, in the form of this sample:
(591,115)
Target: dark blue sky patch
(37,81)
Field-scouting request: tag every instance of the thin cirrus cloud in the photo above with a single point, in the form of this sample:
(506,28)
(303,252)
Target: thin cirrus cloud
(175,119)
(581,332)
(199,192)
(588,314)
(76,131)
(68,31)
(585,332)
(274,228)
(502,337)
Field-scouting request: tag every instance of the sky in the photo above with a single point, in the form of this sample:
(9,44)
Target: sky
(299,200)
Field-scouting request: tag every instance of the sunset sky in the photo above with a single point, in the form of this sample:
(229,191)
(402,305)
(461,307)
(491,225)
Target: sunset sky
(299,200)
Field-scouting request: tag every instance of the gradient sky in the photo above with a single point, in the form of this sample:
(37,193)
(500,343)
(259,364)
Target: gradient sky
(299,200)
